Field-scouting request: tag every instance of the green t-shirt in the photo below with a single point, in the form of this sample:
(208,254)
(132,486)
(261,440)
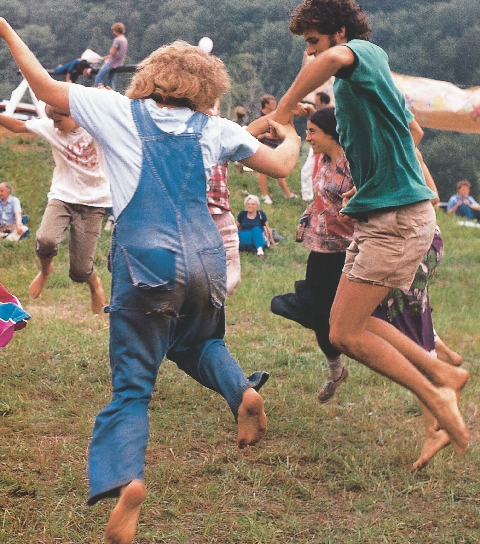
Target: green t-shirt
(373,125)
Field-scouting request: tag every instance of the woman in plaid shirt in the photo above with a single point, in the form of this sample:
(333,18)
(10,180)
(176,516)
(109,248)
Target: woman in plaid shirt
(327,234)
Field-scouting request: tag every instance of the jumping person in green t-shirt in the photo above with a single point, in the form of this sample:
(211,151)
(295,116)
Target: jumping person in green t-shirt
(395,221)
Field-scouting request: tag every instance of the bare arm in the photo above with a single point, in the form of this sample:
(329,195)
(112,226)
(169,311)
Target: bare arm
(15,125)
(312,76)
(416,131)
(455,208)
(44,87)
(278,162)
(261,125)
(428,177)
(18,221)
(270,234)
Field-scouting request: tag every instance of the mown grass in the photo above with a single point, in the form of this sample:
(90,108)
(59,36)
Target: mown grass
(336,473)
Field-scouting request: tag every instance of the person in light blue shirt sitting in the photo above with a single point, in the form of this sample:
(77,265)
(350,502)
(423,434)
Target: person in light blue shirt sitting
(11,226)
(462,204)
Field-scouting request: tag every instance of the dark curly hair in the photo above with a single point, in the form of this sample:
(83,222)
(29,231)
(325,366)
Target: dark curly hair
(329,16)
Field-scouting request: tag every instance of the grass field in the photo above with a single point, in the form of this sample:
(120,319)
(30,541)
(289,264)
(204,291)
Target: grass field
(334,473)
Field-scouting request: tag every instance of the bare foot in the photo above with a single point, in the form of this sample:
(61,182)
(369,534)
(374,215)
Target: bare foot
(450,419)
(444,353)
(96,292)
(251,419)
(122,524)
(435,438)
(457,379)
(37,285)
(434,442)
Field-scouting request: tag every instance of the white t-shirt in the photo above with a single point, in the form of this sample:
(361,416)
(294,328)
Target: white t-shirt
(80,174)
(108,117)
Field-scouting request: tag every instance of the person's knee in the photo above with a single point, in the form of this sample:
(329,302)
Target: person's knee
(46,247)
(339,339)
(79,273)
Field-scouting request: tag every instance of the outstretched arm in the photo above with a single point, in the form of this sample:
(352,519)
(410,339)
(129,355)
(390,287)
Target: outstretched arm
(311,76)
(13,124)
(262,124)
(44,87)
(278,162)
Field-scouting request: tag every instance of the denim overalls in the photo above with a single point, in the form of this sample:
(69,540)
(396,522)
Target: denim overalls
(168,289)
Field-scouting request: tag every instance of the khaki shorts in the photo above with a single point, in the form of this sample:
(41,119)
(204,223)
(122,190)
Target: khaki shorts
(85,224)
(387,249)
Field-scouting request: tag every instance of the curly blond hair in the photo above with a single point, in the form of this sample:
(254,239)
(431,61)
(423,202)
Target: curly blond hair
(180,74)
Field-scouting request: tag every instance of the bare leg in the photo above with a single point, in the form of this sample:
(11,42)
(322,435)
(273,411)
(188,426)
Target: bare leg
(262,182)
(38,283)
(444,353)
(350,315)
(436,370)
(251,419)
(435,439)
(122,524)
(96,293)
(283,185)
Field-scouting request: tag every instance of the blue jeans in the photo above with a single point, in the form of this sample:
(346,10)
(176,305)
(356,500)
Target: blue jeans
(251,239)
(105,73)
(168,294)
(466,211)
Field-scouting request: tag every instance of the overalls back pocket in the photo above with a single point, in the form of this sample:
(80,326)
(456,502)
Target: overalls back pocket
(150,268)
(143,279)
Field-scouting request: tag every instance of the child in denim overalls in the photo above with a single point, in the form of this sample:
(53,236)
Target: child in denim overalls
(167,257)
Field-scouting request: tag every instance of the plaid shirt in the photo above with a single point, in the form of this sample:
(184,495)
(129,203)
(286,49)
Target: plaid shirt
(326,231)
(218,195)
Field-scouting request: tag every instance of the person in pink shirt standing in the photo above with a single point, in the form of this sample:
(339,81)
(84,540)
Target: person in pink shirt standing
(114,59)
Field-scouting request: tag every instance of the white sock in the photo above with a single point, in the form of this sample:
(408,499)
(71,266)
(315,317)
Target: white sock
(260,251)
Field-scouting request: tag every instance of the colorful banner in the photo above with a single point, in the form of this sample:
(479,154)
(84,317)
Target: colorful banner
(441,105)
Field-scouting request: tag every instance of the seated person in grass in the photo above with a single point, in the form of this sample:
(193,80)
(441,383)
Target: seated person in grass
(11,226)
(78,198)
(462,204)
(168,285)
(250,224)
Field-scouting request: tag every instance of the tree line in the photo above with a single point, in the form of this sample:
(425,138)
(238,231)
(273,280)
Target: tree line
(431,39)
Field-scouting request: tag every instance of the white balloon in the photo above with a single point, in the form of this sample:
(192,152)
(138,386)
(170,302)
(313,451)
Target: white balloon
(205,44)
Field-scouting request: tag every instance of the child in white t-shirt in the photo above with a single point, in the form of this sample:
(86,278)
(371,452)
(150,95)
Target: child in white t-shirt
(78,198)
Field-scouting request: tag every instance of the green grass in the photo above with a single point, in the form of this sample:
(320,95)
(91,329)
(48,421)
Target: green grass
(336,473)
